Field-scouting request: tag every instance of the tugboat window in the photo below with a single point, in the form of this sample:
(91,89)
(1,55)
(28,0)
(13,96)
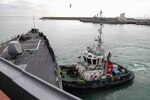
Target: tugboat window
(89,61)
(94,61)
(97,61)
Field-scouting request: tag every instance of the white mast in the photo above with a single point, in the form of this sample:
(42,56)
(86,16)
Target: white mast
(33,22)
(100,32)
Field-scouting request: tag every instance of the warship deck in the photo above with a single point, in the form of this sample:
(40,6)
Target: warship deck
(35,59)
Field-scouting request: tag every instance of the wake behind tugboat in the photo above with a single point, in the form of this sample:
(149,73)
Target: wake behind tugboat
(94,71)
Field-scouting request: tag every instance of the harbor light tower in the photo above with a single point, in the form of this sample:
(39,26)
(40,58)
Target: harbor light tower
(101,14)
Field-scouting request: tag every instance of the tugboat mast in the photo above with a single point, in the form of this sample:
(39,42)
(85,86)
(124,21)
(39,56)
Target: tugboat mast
(100,32)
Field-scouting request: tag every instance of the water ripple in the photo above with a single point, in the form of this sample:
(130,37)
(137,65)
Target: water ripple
(141,68)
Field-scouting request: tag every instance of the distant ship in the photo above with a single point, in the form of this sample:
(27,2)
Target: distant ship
(94,70)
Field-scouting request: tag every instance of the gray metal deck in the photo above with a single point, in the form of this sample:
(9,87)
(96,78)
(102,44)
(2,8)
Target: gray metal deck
(37,59)
(21,85)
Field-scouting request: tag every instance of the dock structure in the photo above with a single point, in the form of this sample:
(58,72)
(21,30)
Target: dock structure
(37,63)
(106,20)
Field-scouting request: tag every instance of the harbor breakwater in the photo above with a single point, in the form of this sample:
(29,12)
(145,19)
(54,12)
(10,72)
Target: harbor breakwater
(106,20)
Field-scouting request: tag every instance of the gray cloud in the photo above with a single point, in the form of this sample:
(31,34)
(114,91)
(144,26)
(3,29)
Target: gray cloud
(61,7)
(25,7)
(17,7)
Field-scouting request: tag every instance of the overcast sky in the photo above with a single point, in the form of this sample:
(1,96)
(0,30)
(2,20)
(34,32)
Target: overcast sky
(111,8)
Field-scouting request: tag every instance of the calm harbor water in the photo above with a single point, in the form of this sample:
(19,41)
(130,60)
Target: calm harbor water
(129,44)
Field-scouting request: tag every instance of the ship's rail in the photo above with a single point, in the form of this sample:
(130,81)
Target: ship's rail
(19,84)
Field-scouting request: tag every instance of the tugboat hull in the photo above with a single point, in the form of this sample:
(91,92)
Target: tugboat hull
(73,86)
